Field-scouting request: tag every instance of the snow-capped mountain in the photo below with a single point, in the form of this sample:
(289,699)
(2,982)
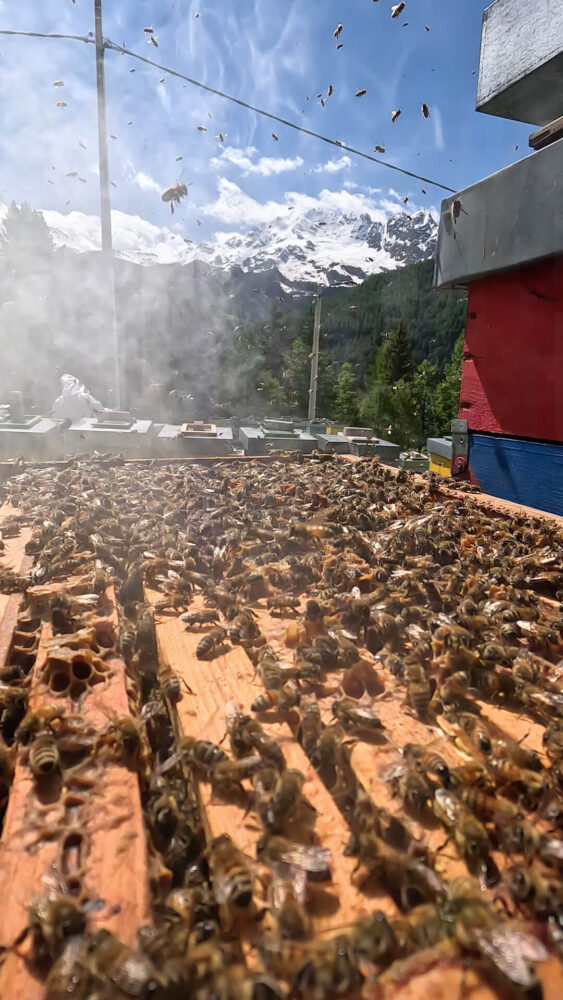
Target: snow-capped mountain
(326,247)
(303,248)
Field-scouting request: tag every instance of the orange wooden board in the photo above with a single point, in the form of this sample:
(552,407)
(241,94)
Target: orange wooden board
(109,821)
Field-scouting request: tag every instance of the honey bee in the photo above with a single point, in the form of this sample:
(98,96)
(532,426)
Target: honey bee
(374,939)
(202,617)
(429,761)
(330,971)
(409,881)
(51,921)
(542,895)
(527,786)
(175,193)
(469,834)
(477,731)
(36,722)
(287,899)
(284,802)
(310,726)
(354,715)
(127,636)
(419,692)
(488,808)
(231,878)
(170,682)
(472,774)
(243,627)
(122,969)
(505,950)
(100,578)
(552,740)
(69,978)
(282,603)
(164,816)
(44,758)
(226,775)
(280,700)
(201,753)
(247,736)
(271,849)
(517,754)
(211,643)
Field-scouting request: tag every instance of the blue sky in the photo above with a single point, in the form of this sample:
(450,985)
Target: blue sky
(278,54)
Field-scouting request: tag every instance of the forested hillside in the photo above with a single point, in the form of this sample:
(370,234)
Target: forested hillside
(199,342)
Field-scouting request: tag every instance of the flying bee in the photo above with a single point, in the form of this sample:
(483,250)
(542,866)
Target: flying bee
(203,617)
(231,878)
(36,722)
(354,715)
(287,898)
(284,802)
(44,758)
(280,700)
(425,110)
(174,194)
(271,849)
(211,643)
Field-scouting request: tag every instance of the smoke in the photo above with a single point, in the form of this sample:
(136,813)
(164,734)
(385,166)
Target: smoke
(176,320)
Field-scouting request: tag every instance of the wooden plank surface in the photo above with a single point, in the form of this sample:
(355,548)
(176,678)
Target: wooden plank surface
(101,804)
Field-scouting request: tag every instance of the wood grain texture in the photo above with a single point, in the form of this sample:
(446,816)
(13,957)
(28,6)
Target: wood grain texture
(111,863)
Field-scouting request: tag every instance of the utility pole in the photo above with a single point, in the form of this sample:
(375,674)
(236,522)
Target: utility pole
(315,358)
(105,202)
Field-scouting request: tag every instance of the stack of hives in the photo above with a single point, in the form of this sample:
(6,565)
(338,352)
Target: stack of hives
(331,693)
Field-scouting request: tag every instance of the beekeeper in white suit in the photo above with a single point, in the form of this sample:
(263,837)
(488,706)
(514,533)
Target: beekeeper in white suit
(75,401)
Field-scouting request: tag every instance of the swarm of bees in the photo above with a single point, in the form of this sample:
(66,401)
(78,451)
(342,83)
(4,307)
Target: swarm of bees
(375,610)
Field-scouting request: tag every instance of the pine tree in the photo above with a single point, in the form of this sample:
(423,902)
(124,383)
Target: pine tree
(346,408)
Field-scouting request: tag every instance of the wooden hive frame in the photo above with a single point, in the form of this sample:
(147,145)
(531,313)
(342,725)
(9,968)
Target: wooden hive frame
(117,863)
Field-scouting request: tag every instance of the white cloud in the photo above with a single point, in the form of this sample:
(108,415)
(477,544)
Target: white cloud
(234,207)
(266,166)
(334,166)
(146,183)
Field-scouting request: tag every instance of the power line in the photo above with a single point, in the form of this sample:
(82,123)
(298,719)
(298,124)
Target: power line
(237,100)
(268,114)
(41,34)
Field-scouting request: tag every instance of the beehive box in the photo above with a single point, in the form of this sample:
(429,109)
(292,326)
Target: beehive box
(169,534)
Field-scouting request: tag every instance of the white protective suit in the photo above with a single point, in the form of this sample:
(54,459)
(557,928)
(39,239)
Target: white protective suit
(75,401)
